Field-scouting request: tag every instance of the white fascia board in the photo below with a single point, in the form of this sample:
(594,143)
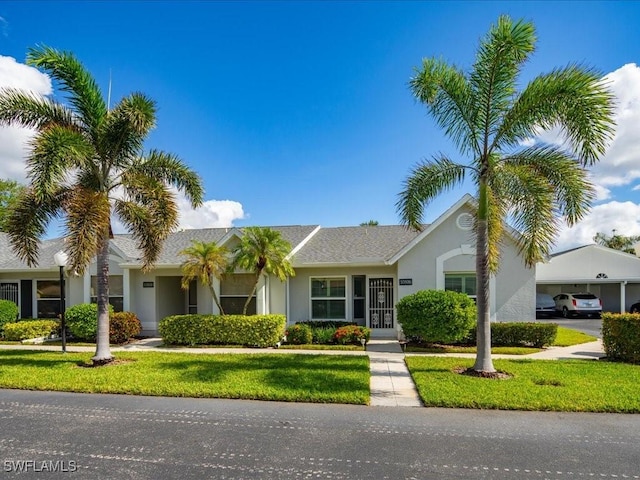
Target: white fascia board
(466,199)
(593,281)
(233,232)
(381,263)
(297,248)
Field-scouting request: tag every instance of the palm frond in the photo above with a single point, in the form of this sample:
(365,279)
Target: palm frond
(81,88)
(88,223)
(55,151)
(24,108)
(28,220)
(573,98)
(425,182)
(446,92)
(500,57)
(170,170)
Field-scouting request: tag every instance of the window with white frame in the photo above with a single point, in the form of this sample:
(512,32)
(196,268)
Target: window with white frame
(461,282)
(234,291)
(48,298)
(328,298)
(116,291)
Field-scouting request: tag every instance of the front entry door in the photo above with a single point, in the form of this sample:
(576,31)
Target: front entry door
(381,302)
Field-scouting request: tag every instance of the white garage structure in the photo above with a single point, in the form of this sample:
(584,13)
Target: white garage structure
(612,275)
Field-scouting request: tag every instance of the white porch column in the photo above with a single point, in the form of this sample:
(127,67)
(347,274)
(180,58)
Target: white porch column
(86,286)
(623,296)
(126,290)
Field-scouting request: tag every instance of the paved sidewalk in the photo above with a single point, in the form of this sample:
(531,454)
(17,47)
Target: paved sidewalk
(390,384)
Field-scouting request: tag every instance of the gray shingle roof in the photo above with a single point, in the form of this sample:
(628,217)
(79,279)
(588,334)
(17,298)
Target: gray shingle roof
(354,245)
(9,261)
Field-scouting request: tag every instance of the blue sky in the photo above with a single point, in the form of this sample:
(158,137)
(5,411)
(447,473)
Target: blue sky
(299,112)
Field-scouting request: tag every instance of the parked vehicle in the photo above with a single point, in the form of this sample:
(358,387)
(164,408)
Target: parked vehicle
(574,304)
(545,305)
(635,308)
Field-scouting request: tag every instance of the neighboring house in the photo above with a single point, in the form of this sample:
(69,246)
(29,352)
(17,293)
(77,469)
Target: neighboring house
(612,275)
(344,273)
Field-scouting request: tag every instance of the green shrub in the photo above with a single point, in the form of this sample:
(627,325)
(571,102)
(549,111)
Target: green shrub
(250,330)
(8,313)
(299,334)
(322,336)
(436,316)
(82,320)
(525,334)
(30,329)
(621,336)
(123,326)
(351,334)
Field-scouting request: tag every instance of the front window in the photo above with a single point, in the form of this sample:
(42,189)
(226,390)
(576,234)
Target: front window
(234,291)
(328,298)
(48,298)
(116,292)
(461,282)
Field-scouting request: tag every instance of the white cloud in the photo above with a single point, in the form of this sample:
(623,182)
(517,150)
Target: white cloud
(624,217)
(14,140)
(211,214)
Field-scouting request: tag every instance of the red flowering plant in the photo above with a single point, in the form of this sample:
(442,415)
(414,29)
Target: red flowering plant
(351,334)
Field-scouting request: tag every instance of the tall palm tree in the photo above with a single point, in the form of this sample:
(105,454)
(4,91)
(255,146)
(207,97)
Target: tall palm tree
(492,123)
(86,164)
(262,250)
(204,261)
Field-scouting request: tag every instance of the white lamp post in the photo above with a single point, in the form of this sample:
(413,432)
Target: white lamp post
(60,259)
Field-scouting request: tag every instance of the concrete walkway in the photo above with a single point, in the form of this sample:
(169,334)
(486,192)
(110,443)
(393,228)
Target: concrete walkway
(391,384)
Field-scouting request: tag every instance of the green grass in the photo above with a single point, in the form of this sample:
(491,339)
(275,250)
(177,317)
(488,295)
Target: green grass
(458,349)
(283,377)
(568,336)
(568,386)
(319,346)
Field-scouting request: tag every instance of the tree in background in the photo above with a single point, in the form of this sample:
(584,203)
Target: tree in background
(492,123)
(262,250)
(370,223)
(617,242)
(204,261)
(87,164)
(10,190)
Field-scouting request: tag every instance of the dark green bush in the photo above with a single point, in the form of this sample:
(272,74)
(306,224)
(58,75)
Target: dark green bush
(30,329)
(621,336)
(123,326)
(525,334)
(82,320)
(8,313)
(250,330)
(322,336)
(351,335)
(299,334)
(436,316)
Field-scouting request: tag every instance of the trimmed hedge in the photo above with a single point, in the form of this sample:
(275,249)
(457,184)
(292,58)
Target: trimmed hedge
(250,330)
(621,336)
(123,326)
(8,313)
(436,316)
(30,329)
(521,334)
(82,320)
(299,334)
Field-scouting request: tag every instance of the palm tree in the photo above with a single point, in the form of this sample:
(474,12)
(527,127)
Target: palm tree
(492,123)
(205,261)
(86,164)
(262,249)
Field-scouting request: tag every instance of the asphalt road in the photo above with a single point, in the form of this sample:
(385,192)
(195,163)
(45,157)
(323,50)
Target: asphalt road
(127,437)
(591,326)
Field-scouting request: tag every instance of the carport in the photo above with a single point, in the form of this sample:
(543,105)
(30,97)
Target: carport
(612,275)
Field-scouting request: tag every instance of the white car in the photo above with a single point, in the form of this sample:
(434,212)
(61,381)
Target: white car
(578,304)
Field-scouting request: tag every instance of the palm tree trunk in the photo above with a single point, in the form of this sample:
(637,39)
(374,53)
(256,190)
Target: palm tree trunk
(103,351)
(253,292)
(215,296)
(483,337)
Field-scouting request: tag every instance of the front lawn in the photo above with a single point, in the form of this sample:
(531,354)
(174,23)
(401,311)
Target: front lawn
(283,377)
(568,336)
(569,386)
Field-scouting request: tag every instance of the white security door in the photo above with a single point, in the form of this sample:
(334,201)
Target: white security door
(9,291)
(381,302)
